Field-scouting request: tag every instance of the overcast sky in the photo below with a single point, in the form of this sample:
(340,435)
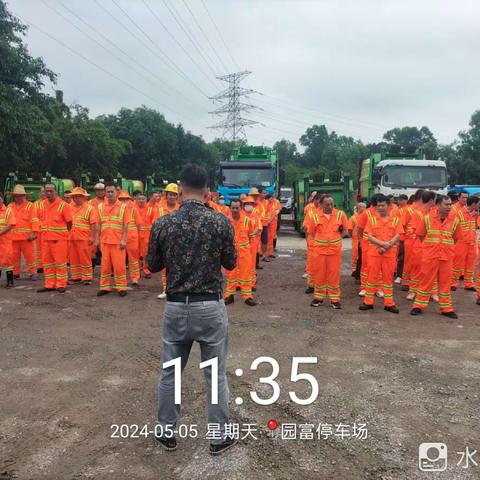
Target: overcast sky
(360,67)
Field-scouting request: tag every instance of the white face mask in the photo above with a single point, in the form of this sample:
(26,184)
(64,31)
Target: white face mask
(221,201)
(248,208)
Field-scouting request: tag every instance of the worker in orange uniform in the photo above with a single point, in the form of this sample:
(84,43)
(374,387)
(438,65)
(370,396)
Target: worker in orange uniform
(422,207)
(56,224)
(308,213)
(353,232)
(274,207)
(99,190)
(25,233)
(145,213)
(133,243)
(461,201)
(222,208)
(259,210)
(402,207)
(113,240)
(241,275)
(38,204)
(383,229)
(7,223)
(168,206)
(266,219)
(328,227)
(248,207)
(83,236)
(439,231)
(364,246)
(466,248)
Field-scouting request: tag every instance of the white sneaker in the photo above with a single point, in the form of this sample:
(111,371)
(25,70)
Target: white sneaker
(379,294)
(305,275)
(362,293)
(398,280)
(162,295)
(435,298)
(410,296)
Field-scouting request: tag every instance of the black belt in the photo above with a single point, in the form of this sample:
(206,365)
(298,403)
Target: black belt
(193,297)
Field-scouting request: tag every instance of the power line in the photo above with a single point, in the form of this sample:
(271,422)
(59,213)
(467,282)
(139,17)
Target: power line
(173,65)
(174,38)
(221,36)
(104,70)
(225,69)
(179,22)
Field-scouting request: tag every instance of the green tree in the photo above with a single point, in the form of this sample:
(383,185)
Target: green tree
(315,139)
(410,140)
(466,168)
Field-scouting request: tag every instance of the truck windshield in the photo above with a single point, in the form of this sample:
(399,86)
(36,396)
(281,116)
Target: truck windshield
(414,176)
(246,177)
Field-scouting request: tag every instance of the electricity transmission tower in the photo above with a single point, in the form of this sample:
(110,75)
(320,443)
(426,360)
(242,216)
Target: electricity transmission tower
(233,125)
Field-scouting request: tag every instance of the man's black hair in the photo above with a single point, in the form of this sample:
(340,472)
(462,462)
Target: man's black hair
(453,195)
(472,200)
(418,194)
(193,176)
(110,184)
(50,183)
(402,196)
(440,198)
(427,196)
(380,198)
(461,192)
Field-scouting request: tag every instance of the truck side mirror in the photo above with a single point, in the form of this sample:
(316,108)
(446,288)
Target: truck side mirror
(376,176)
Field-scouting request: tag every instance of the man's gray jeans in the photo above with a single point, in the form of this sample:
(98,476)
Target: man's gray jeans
(206,323)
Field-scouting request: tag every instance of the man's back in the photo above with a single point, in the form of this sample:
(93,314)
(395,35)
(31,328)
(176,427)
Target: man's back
(193,243)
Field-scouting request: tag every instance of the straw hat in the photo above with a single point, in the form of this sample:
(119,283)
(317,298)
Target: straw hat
(99,186)
(253,191)
(124,195)
(248,199)
(19,190)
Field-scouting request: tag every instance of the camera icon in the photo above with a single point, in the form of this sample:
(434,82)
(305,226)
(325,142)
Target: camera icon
(432,457)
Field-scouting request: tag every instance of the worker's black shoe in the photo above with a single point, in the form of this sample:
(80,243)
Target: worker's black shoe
(16,277)
(405,288)
(272,256)
(470,289)
(254,289)
(316,303)
(76,280)
(392,309)
(336,305)
(259,267)
(101,293)
(229,300)
(39,270)
(122,293)
(169,444)
(309,290)
(364,306)
(453,288)
(148,275)
(450,315)
(87,282)
(61,290)
(222,447)
(251,302)
(10,278)
(45,289)
(462,277)
(415,311)
(478,301)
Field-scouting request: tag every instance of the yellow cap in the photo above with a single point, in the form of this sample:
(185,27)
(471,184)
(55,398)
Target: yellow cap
(171,187)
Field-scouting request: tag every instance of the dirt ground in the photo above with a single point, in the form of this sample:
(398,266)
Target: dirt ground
(72,365)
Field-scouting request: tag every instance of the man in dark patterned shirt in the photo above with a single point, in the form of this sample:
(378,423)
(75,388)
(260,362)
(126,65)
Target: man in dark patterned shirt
(193,243)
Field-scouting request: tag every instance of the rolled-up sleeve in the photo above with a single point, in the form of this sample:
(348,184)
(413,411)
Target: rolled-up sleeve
(155,256)
(229,252)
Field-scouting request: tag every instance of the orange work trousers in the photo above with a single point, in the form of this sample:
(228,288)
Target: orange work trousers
(54,259)
(432,272)
(364,266)
(272,234)
(309,268)
(241,275)
(143,247)
(463,264)
(81,260)
(354,253)
(38,250)
(6,255)
(254,242)
(326,275)
(113,265)
(27,249)
(133,253)
(416,266)
(380,276)
(407,261)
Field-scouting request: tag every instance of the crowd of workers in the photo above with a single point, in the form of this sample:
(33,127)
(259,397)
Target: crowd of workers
(427,243)
(113,229)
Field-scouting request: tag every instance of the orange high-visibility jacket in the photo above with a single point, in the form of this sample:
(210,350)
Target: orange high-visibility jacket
(384,231)
(328,231)
(112,220)
(26,220)
(439,237)
(161,211)
(145,214)
(468,222)
(353,225)
(56,216)
(244,229)
(134,219)
(84,216)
